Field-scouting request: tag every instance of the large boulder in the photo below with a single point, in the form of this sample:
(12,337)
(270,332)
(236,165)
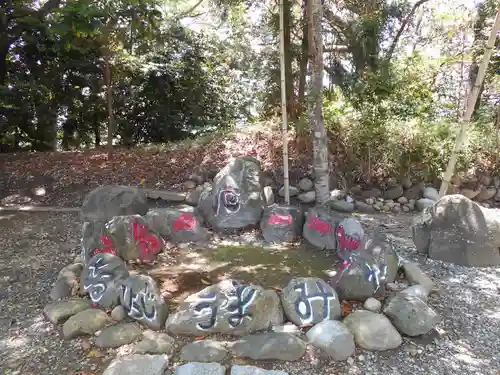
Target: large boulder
(281,224)
(236,200)
(350,235)
(176,225)
(319,227)
(228,307)
(104,202)
(95,240)
(458,230)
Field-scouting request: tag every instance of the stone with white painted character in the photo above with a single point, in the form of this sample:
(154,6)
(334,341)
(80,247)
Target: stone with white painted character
(143,302)
(227,307)
(309,300)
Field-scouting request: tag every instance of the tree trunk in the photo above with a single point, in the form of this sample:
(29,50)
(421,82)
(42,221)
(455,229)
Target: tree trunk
(287,26)
(320,146)
(284,92)
(109,100)
(304,58)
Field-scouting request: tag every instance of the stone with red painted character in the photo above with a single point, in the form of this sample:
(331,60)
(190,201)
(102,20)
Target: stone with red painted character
(319,227)
(281,223)
(177,225)
(95,240)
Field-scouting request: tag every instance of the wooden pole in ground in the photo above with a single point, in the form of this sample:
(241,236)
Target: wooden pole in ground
(471,103)
(284,125)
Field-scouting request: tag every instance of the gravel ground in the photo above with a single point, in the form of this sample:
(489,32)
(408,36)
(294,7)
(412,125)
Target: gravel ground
(35,246)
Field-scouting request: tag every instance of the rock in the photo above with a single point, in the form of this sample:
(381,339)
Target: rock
(204,351)
(281,223)
(86,322)
(319,227)
(268,195)
(410,315)
(431,193)
(458,230)
(59,311)
(496,181)
(371,193)
(138,364)
(415,191)
(415,275)
(373,265)
(341,205)
(95,240)
(402,200)
(166,195)
(396,209)
(364,207)
(293,191)
(102,279)
(334,338)
(133,238)
(118,335)
(307,197)
(417,291)
(486,193)
(118,314)
(337,194)
(373,305)
(252,370)
(189,184)
(236,199)
(227,307)
(66,281)
(389,203)
(178,226)
(105,202)
(155,343)
(142,300)
(386,208)
(262,346)
(305,184)
(485,179)
(193,196)
(394,192)
(197,368)
(370,201)
(349,235)
(406,182)
(423,203)
(373,331)
(199,176)
(309,300)
(469,193)
(406,208)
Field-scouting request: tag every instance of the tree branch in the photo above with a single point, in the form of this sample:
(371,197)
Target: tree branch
(187,12)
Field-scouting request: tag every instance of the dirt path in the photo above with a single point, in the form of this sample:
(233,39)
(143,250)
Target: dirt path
(35,246)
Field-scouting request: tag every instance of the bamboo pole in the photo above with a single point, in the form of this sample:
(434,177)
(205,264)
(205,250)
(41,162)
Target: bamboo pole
(284,125)
(471,103)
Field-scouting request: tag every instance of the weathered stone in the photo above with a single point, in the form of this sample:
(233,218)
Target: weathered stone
(309,300)
(268,195)
(118,313)
(319,227)
(252,370)
(402,200)
(262,346)
(118,335)
(143,302)
(281,223)
(373,305)
(486,193)
(334,338)
(102,279)
(177,226)
(373,331)
(199,176)
(417,291)
(396,209)
(155,343)
(394,192)
(227,307)
(193,196)
(415,191)
(204,351)
(370,193)
(307,197)
(189,184)
(423,203)
(431,193)
(410,315)
(293,191)
(305,184)
(59,311)
(470,193)
(198,368)
(341,205)
(349,235)
(459,231)
(406,208)
(67,280)
(364,207)
(415,275)
(86,322)
(95,240)
(138,364)
(105,202)
(406,182)
(166,195)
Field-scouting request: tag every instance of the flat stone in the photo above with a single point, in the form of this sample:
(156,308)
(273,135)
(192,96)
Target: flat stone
(118,335)
(365,207)
(341,205)
(373,305)
(118,313)
(197,368)
(66,280)
(167,196)
(59,311)
(138,364)
(307,197)
(305,184)
(252,370)
(416,291)
(155,343)
(416,276)
(86,322)
(293,191)
(423,203)
(204,351)
(334,338)
(280,346)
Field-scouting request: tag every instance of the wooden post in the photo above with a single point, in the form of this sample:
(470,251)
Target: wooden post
(284,125)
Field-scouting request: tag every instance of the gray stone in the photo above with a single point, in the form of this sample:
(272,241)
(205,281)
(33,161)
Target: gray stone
(105,202)
(252,370)
(142,300)
(268,195)
(86,322)
(417,291)
(60,311)
(262,346)
(66,281)
(193,196)
(486,193)
(155,343)
(410,315)
(406,182)
(118,335)
(204,351)
(370,193)
(423,203)
(373,305)
(293,191)
(215,310)
(406,208)
(138,364)
(341,205)
(309,300)
(396,209)
(364,207)
(415,191)
(319,227)
(166,195)
(281,223)
(458,230)
(178,226)
(415,275)
(394,192)
(102,279)
(373,331)
(305,184)
(402,200)
(95,240)
(198,368)
(307,197)
(470,193)
(118,313)
(431,193)
(334,338)
(337,194)
(350,236)
(189,184)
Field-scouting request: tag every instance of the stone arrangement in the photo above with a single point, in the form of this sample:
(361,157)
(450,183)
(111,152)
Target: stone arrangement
(266,324)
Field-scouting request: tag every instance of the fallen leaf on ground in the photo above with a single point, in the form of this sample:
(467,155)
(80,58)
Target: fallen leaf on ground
(94,353)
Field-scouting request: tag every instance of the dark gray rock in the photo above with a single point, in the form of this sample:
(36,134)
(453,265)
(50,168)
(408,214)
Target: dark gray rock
(118,335)
(431,193)
(415,191)
(204,351)
(307,196)
(262,346)
(350,236)
(281,223)
(305,184)
(458,230)
(95,240)
(364,207)
(138,364)
(66,281)
(370,193)
(177,226)
(193,196)
(292,190)
(105,202)
(486,193)
(118,313)
(198,368)
(86,322)
(319,227)
(155,343)
(309,300)
(62,310)
(341,205)
(393,192)
(252,370)
(417,291)
(334,338)
(423,203)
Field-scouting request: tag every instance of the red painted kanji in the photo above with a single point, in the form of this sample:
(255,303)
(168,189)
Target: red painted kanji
(185,221)
(345,241)
(107,246)
(278,219)
(319,225)
(148,242)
